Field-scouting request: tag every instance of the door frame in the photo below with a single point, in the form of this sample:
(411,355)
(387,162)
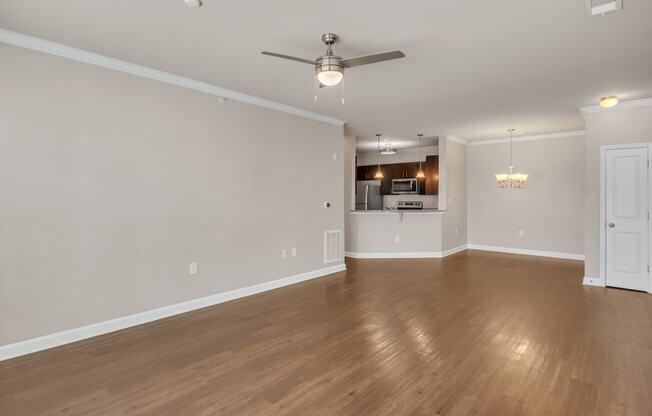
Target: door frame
(603,206)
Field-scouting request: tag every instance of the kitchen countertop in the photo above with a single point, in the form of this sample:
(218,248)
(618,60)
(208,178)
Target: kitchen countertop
(402,211)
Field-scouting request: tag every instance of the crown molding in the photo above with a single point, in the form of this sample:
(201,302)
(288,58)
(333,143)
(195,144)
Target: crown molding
(644,102)
(456,139)
(575,133)
(52,48)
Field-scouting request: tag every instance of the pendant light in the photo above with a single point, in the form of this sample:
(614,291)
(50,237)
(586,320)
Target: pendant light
(379,174)
(420,174)
(511,180)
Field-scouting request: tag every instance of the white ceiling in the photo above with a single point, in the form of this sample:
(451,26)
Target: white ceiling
(473,68)
(368,143)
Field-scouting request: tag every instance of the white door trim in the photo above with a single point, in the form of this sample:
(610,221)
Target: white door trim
(603,206)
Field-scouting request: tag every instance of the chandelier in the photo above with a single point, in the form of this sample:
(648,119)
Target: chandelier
(511,180)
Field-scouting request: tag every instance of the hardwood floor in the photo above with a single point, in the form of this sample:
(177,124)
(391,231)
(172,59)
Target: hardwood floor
(473,334)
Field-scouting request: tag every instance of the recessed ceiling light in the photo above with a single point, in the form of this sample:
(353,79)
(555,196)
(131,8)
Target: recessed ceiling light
(192,3)
(607,102)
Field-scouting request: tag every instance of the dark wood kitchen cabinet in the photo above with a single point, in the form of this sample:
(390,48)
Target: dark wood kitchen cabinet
(386,182)
(363,173)
(368,173)
(432,175)
(427,186)
(405,170)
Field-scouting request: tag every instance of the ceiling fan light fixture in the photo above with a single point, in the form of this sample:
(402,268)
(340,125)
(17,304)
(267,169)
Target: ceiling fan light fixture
(330,77)
(329,67)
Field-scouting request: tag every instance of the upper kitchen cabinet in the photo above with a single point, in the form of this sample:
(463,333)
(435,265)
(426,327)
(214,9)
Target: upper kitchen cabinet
(432,175)
(386,182)
(405,170)
(363,173)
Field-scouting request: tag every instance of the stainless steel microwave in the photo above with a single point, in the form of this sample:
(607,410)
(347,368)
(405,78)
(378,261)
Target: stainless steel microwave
(405,186)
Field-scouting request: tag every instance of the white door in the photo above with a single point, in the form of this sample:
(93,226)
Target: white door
(627,218)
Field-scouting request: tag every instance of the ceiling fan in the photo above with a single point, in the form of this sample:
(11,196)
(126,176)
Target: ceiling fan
(330,67)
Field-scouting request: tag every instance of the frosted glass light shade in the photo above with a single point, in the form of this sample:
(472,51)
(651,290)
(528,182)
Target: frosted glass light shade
(330,78)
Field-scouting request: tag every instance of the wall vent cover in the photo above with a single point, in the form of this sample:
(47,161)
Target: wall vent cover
(602,7)
(333,247)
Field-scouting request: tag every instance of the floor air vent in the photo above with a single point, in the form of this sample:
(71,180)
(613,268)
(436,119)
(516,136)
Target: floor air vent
(333,246)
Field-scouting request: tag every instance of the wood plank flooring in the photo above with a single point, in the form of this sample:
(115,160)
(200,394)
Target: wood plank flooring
(472,334)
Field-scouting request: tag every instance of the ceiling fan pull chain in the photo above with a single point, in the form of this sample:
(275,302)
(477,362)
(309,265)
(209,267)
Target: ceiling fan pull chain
(342,92)
(316,88)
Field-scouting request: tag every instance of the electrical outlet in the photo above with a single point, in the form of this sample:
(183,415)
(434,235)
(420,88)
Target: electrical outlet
(450,199)
(397,239)
(284,253)
(334,156)
(192,268)
(327,204)
(294,251)
(521,233)
(456,231)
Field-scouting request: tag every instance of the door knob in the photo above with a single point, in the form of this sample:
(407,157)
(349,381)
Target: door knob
(611,225)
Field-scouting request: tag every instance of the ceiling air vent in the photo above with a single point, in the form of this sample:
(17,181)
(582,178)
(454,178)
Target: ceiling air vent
(602,7)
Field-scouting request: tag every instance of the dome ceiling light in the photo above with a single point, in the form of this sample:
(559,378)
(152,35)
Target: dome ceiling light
(608,102)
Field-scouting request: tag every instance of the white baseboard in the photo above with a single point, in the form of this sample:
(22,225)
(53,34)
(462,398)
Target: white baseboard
(405,254)
(454,250)
(527,252)
(397,255)
(440,254)
(592,281)
(77,334)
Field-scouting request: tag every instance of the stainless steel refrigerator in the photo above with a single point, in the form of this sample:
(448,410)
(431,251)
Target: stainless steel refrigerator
(368,197)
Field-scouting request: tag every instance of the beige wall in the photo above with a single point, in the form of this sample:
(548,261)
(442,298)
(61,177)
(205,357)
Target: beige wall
(453,196)
(615,126)
(549,210)
(111,184)
(349,185)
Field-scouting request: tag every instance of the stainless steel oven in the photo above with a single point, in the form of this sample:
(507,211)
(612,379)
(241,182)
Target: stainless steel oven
(405,186)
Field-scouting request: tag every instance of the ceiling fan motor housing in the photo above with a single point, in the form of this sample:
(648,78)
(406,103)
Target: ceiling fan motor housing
(329,63)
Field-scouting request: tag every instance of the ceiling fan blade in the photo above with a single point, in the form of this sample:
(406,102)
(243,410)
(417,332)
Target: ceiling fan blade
(372,59)
(292,58)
